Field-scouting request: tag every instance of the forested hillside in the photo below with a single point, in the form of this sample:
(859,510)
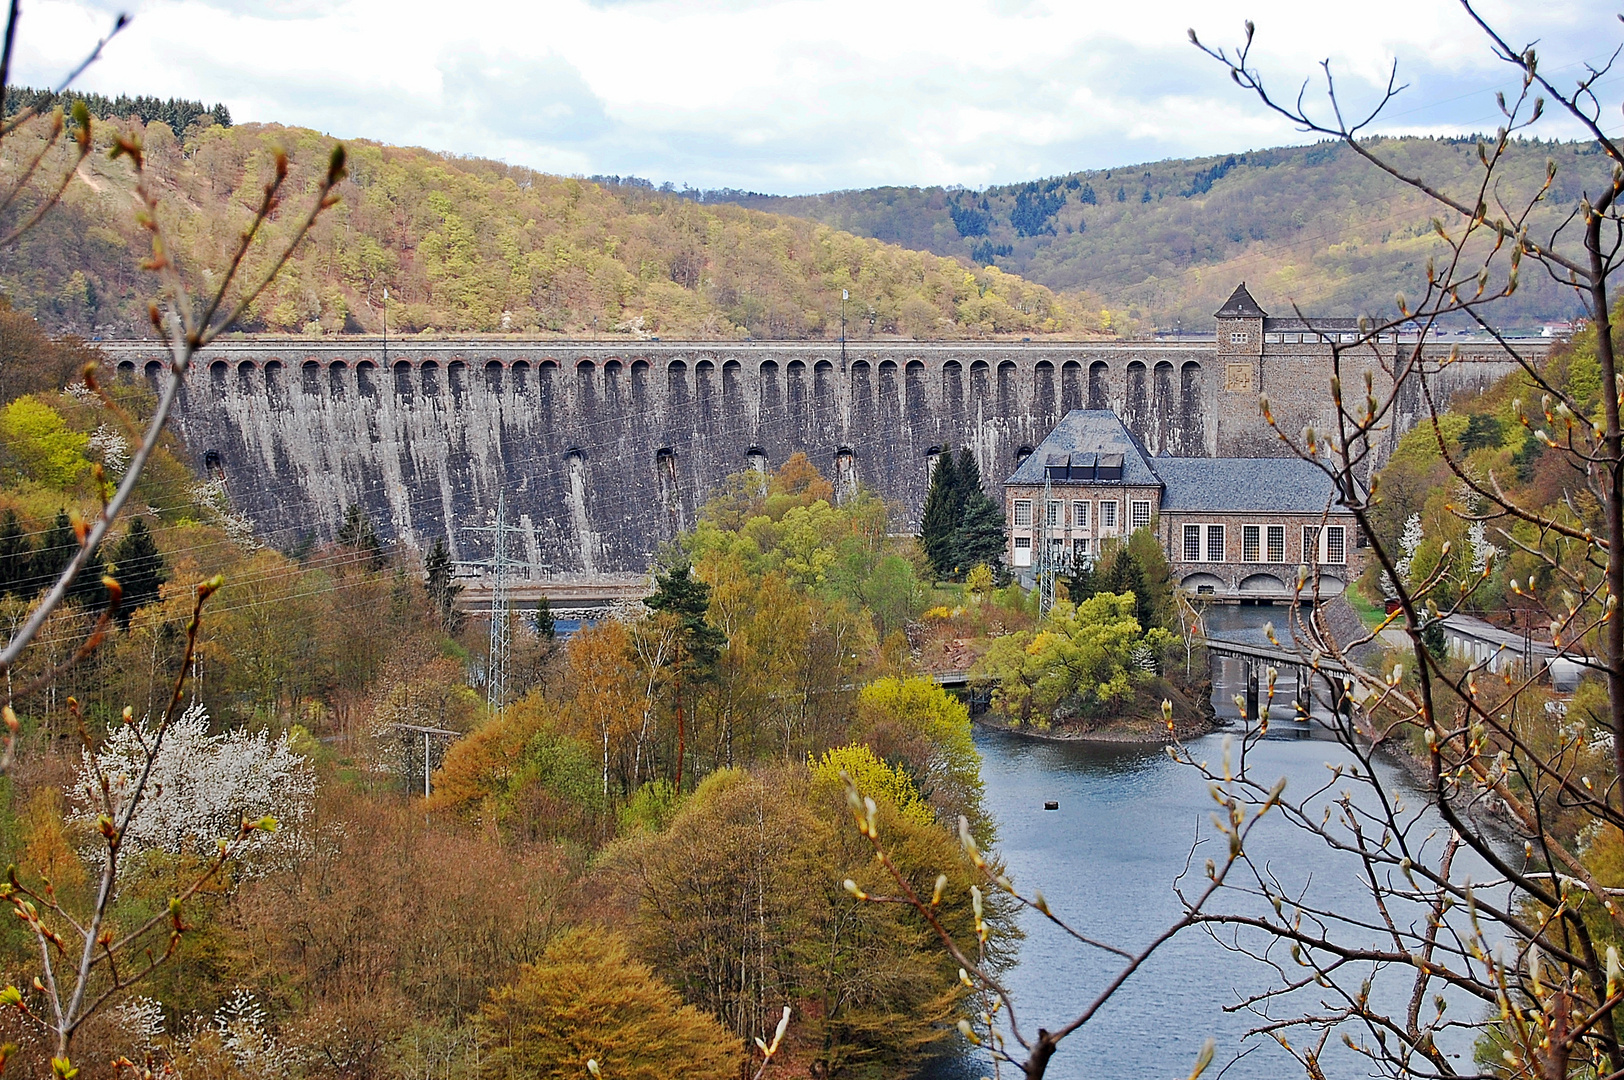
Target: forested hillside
(467,245)
(1166,242)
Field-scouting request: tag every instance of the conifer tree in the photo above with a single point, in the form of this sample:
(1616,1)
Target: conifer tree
(358,535)
(139,567)
(545,629)
(441,589)
(15,553)
(678,592)
(942,517)
(980,536)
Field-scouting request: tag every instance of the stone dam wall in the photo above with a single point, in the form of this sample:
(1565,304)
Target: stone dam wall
(606,450)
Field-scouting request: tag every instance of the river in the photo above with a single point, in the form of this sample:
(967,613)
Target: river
(1106,860)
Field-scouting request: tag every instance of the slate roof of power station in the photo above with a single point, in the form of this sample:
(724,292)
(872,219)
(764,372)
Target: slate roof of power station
(1083,432)
(1244,484)
(1080,446)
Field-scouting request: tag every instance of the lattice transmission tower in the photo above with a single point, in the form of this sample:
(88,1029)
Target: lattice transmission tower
(1048,567)
(498,565)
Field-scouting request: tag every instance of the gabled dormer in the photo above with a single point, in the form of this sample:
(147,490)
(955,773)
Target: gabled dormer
(1240,325)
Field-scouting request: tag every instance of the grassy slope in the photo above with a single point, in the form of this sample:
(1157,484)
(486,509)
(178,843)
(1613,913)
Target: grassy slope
(467,245)
(1316,224)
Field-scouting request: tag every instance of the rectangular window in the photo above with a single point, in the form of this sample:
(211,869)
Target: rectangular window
(1277,543)
(1336,544)
(1192,543)
(1080,548)
(1238,338)
(1251,543)
(1108,515)
(1310,545)
(1079,514)
(1023,513)
(1215,543)
(1053,519)
(1139,515)
(1023,551)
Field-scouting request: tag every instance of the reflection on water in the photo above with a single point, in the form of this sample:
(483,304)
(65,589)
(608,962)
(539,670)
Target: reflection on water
(1107,860)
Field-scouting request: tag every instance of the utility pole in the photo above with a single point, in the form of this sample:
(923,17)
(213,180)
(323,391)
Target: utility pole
(498,564)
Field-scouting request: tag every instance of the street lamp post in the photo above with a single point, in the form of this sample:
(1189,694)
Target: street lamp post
(844,296)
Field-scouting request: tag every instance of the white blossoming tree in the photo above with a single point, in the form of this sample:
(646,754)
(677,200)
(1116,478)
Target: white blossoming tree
(201,786)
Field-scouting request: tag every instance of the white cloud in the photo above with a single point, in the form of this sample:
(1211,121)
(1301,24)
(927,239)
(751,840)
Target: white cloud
(799,95)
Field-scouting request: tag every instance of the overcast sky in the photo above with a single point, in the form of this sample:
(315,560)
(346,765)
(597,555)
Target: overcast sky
(794,96)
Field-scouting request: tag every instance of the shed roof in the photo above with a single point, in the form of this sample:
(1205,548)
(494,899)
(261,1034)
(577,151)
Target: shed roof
(1250,485)
(1085,432)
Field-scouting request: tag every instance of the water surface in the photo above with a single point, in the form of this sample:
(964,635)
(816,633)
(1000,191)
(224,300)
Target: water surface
(1107,860)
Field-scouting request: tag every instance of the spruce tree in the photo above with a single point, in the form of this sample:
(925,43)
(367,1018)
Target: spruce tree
(981,537)
(441,588)
(55,552)
(15,553)
(139,568)
(545,629)
(943,515)
(358,535)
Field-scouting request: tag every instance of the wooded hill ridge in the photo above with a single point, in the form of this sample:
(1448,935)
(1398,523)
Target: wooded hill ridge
(1164,243)
(474,246)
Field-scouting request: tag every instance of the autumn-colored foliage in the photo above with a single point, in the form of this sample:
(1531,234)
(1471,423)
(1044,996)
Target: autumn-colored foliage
(586,998)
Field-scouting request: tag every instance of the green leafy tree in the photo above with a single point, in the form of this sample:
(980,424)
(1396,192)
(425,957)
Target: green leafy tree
(586,999)
(942,517)
(1086,652)
(139,568)
(40,445)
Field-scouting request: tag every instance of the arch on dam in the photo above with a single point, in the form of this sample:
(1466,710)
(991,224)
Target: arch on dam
(218,373)
(519,377)
(1192,437)
(824,409)
(862,396)
(953,391)
(705,390)
(1164,406)
(614,393)
(365,384)
(1043,398)
(586,393)
(493,376)
(310,379)
(337,380)
(1007,401)
(771,399)
(1099,375)
(796,399)
(428,374)
(732,388)
(1136,403)
(1071,386)
(639,380)
(980,389)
